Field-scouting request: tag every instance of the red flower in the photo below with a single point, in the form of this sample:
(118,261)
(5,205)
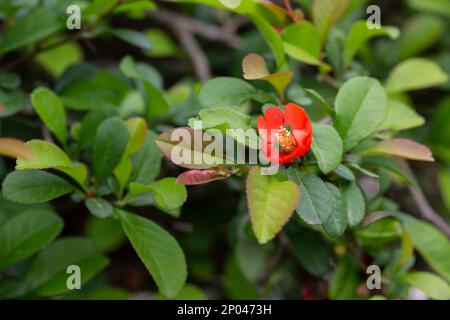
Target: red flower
(285,135)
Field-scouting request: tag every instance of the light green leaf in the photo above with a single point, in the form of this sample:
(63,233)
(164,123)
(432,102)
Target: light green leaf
(168,194)
(326,13)
(47,275)
(35,26)
(360,33)
(400,117)
(301,41)
(58,59)
(45,155)
(158,250)
(188,292)
(361,105)
(110,143)
(415,74)
(34,186)
(26,233)
(51,111)
(354,202)
(99,207)
(271,203)
(432,285)
(106,234)
(434,6)
(420,33)
(327,147)
(315,205)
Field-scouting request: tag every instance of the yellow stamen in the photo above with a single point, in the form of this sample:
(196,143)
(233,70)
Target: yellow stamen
(286,140)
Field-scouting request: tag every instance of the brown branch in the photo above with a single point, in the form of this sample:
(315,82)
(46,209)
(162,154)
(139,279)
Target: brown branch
(425,210)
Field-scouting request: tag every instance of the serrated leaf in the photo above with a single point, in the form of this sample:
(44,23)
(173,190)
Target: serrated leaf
(315,206)
(158,250)
(327,147)
(270,202)
(44,155)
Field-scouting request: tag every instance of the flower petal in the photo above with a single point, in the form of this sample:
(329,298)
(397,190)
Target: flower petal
(296,117)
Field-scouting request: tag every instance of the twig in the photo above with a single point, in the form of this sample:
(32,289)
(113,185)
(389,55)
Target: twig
(184,29)
(425,209)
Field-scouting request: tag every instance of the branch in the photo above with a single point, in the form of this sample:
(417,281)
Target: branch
(425,209)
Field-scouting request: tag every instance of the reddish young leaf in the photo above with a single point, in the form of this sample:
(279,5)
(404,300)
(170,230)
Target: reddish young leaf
(14,148)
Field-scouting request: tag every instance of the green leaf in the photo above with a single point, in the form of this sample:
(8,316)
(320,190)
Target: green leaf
(90,124)
(271,36)
(327,147)
(47,275)
(188,292)
(45,155)
(51,111)
(156,103)
(106,234)
(99,207)
(226,92)
(34,186)
(414,74)
(361,105)
(309,250)
(360,33)
(271,203)
(102,89)
(354,202)
(344,280)
(301,41)
(110,143)
(11,102)
(26,233)
(434,6)
(159,251)
(58,59)
(336,224)
(315,205)
(162,44)
(326,13)
(168,194)
(147,161)
(35,26)
(443,177)
(432,285)
(133,37)
(420,33)
(432,244)
(401,117)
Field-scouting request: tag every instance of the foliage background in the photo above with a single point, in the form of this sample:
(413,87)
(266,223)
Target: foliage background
(178,47)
